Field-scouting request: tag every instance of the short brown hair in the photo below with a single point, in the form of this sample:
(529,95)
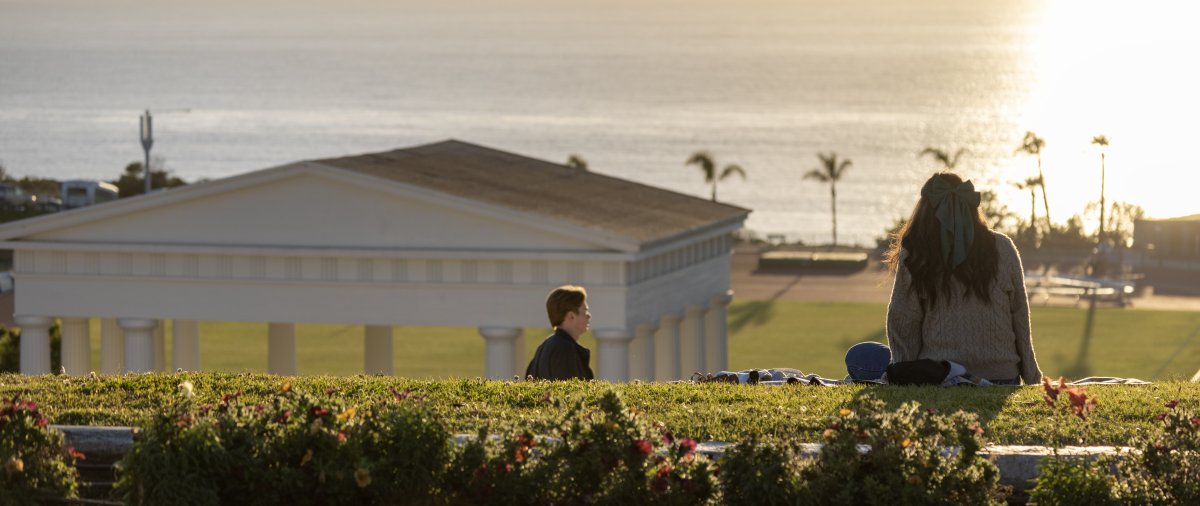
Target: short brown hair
(564,299)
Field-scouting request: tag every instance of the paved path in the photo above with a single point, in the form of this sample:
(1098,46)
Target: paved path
(873,284)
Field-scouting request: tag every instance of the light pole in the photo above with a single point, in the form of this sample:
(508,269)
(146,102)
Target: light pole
(148,141)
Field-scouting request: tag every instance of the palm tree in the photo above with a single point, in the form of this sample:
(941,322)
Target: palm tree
(943,157)
(1032,144)
(704,159)
(1102,141)
(1031,184)
(831,172)
(577,162)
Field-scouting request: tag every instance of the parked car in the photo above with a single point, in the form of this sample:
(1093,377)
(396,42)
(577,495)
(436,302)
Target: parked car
(13,197)
(85,192)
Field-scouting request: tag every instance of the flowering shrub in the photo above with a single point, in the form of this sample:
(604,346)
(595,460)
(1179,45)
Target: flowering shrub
(298,448)
(756,472)
(908,456)
(1166,469)
(36,465)
(1071,480)
(295,449)
(607,455)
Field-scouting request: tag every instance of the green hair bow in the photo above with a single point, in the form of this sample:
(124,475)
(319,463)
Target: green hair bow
(955,208)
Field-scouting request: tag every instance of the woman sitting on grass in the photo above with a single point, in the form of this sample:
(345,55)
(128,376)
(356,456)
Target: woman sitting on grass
(960,289)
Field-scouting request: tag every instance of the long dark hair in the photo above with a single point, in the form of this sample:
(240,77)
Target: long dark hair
(921,237)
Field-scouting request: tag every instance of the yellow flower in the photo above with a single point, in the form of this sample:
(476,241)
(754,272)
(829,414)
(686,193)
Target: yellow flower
(14,465)
(845,412)
(905,443)
(346,415)
(307,457)
(287,387)
(828,433)
(362,477)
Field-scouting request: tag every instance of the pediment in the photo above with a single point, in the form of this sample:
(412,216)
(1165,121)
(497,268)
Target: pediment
(308,206)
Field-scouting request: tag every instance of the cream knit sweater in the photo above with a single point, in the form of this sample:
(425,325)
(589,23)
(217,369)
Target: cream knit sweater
(993,340)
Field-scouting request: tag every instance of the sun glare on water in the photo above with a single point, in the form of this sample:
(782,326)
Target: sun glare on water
(1126,70)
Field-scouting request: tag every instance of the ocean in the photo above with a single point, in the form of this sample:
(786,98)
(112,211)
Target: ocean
(633,87)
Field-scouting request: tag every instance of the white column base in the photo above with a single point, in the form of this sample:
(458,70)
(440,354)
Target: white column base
(666,348)
(76,346)
(112,347)
(185,345)
(281,349)
(35,343)
(691,342)
(378,350)
(139,344)
(641,358)
(716,334)
(500,353)
(612,361)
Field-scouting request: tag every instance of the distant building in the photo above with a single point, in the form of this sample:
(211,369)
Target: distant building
(1174,238)
(446,234)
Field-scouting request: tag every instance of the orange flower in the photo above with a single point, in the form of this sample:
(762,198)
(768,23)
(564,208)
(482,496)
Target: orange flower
(1081,403)
(362,477)
(14,465)
(1050,392)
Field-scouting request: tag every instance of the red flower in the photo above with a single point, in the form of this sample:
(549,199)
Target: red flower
(643,447)
(318,411)
(664,471)
(1081,404)
(1172,403)
(667,437)
(688,445)
(283,417)
(1160,416)
(75,454)
(341,437)
(1196,421)
(1050,391)
(41,421)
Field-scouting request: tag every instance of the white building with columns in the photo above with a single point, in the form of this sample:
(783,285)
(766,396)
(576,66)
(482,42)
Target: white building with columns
(445,234)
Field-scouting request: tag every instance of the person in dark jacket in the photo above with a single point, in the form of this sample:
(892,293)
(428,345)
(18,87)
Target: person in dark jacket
(560,357)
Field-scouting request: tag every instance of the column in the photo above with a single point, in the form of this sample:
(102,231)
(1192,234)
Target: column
(716,335)
(139,343)
(612,361)
(377,350)
(691,341)
(185,345)
(160,346)
(112,347)
(76,346)
(35,343)
(641,358)
(281,348)
(520,361)
(500,352)
(666,348)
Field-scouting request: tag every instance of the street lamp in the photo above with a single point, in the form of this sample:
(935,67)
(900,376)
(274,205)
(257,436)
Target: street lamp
(148,141)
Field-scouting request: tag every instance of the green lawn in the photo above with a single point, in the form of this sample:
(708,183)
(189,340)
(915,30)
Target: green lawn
(810,336)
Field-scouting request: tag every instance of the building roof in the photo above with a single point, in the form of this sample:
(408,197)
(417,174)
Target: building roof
(1194,217)
(580,197)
